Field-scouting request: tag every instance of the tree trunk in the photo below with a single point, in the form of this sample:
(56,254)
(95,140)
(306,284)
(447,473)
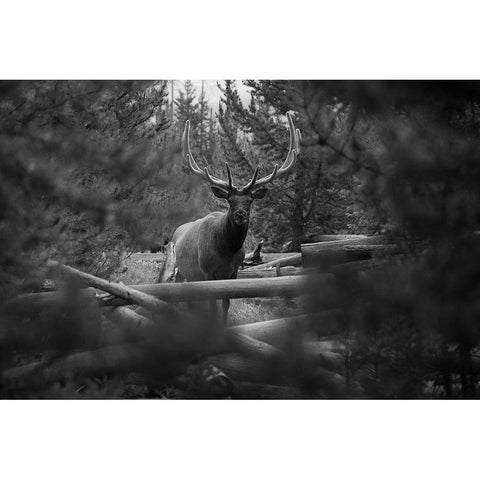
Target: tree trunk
(298,228)
(290,260)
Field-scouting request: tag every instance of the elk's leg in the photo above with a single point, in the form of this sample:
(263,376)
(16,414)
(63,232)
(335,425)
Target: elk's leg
(179,278)
(225,307)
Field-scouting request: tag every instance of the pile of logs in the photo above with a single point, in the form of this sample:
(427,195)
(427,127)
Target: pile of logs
(325,255)
(244,361)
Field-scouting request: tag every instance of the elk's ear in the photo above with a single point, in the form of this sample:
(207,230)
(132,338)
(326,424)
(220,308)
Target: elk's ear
(219,192)
(260,193)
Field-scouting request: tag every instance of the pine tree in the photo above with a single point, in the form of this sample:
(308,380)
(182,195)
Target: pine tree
(233,146)
(203,121)
(212,133)
(83,159)
(299,199)
(187,107)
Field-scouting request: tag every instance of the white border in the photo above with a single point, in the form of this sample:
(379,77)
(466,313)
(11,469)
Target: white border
(238,440)
(213,39)
(247,39)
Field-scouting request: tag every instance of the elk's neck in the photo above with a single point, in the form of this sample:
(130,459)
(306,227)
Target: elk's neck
(234,235)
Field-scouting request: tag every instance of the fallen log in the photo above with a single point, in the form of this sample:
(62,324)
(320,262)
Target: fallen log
(253,340)
(251,346)
(127,318)
(272,333)
(325,254)
(371,251)
(127,294)
(352,253)
(293,259)
(117,359)
(239,367)
(122,325)
(277,330)
(346,270)
(272,256)
(27,303)
(272,272)
(243,369)
(289,286)
(272,364)
(331,238)
(257,360)
(260,339)
(130,357)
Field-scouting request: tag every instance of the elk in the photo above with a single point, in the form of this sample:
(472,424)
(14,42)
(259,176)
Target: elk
(211,248)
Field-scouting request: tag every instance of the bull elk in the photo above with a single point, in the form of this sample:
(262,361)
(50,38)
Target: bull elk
(211,248)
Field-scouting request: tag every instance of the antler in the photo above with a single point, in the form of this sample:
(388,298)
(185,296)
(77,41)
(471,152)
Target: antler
(289,162)
(287,165)
(186,151)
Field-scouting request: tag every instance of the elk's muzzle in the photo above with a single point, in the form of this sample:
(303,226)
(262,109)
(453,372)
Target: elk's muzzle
(240,217)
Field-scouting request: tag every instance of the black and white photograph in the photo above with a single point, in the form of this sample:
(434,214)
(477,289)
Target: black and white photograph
(255,239)
(239,240)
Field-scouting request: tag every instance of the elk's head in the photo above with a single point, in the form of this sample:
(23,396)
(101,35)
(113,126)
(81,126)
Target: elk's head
(240,198)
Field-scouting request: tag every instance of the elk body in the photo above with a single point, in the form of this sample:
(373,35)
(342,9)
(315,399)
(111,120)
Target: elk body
(211,248)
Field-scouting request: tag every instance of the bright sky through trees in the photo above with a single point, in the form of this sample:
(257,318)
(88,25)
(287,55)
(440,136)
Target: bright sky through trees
(212,91)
